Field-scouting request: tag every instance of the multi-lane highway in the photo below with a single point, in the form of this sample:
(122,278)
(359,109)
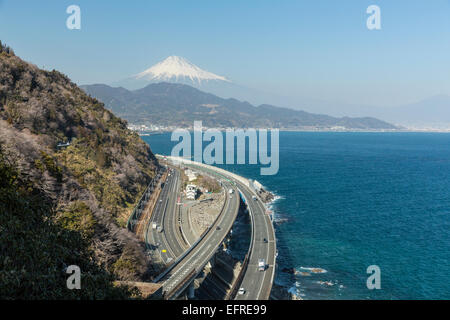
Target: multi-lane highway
(164,216)
(187,262)
(258,284)
(194,261)
(170,222)
(170,243)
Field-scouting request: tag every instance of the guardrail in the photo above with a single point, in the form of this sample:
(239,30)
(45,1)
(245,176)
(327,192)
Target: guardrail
(180,226)
(140,206)
(221,171)
(275,258)
(272,228)
(180,287)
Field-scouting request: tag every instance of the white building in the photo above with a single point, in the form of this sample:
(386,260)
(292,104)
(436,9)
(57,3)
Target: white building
(191,191)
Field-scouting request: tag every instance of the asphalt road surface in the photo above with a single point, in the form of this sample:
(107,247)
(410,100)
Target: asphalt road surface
(164,241)
(196,259)
(258,284)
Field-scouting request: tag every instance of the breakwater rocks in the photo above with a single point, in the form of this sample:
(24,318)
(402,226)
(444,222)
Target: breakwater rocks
(266,196)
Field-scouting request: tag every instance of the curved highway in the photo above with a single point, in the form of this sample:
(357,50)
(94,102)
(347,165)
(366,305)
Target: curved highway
(189,263)
(176,280)
(257,284)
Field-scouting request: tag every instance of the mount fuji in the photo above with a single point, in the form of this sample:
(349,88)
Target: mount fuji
(178,69)
(175,69)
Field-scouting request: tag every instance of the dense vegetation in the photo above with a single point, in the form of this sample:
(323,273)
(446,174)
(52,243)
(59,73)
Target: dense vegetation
(89,186)
(208,183)
(36,247)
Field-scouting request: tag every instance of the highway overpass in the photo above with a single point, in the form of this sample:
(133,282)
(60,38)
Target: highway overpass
(257,284)
(184,262)
(193,261)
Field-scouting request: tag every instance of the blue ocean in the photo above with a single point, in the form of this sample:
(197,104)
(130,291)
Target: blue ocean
(346,201)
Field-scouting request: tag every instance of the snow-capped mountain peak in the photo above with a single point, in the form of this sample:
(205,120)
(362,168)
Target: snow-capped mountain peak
(176,69)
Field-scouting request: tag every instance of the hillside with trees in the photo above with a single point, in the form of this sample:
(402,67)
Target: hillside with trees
(71,173)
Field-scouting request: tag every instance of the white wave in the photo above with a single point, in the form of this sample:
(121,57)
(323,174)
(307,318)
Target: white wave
(271,207)
(311,270)
(295,289)
(326,283)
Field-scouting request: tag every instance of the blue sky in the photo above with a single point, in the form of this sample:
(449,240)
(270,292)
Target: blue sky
(316,49)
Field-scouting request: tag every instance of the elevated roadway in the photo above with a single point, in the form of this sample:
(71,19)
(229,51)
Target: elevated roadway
(257,284)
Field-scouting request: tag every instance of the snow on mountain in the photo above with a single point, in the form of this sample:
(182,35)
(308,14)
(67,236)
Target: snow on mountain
(175,69)
(178,69)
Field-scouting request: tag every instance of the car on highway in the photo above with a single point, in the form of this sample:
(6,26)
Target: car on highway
(261,265)
(241,291)
(265,240)
(160,229)
(254,198)
(218,228)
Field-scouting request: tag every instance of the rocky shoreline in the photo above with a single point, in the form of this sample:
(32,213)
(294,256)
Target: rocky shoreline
(280,292)
(266,196)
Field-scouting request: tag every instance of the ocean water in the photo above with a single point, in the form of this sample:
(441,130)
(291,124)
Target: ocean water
(351,200)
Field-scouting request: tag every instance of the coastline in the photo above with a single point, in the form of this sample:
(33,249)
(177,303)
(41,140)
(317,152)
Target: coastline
(406,130)
(268,196)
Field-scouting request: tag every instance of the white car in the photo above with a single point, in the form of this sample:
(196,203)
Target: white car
(261,265)
(241,291)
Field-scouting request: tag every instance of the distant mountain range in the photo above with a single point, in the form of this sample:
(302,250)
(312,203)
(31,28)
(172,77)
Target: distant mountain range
(433,112)
(174,104)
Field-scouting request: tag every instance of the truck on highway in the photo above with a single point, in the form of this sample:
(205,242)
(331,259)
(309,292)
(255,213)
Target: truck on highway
(154,225)
(261,265)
